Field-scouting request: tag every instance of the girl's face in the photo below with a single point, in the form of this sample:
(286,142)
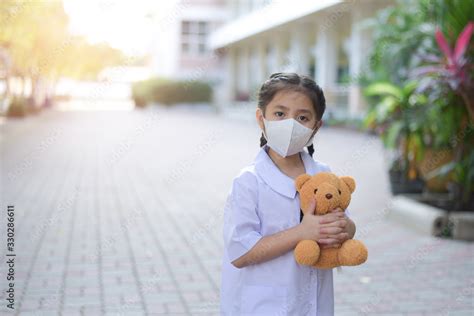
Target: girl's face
(290,104)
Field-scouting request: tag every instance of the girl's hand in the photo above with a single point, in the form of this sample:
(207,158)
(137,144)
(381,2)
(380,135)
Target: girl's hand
(346,232)
(321,228)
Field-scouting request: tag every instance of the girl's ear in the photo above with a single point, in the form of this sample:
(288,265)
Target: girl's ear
(318,124)
(301,180)
(259,117)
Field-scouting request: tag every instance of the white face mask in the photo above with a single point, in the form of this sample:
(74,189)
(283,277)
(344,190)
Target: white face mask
(287,137)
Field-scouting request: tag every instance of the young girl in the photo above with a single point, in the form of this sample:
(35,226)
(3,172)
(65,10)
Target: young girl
(262,222)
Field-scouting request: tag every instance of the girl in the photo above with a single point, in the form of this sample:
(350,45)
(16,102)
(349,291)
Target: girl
(262,222)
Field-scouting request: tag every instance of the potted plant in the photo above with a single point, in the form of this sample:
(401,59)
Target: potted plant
(398,114)
(450,75)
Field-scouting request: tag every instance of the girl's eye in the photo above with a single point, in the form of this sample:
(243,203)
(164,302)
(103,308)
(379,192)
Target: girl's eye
(339,191)
(279,114)
(315,190)
(303,118)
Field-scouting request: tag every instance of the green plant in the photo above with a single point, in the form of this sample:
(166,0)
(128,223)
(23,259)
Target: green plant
(399,33)
(453,68)
(452,74)
(399,118)
(464,174)
(418,34)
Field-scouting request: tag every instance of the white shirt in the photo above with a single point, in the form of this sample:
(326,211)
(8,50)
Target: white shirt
(264,201)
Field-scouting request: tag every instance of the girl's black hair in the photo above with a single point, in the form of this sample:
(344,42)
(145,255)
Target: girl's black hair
(291,81)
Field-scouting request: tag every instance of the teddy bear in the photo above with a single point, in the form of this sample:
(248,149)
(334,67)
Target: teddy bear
(330,192)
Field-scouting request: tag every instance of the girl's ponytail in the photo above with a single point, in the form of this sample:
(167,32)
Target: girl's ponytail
(263,141)
(310,150)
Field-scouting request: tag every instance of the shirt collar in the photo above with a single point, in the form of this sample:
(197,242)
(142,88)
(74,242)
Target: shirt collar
(276,179)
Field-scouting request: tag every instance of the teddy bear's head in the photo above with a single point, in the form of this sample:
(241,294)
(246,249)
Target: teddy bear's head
(329,190)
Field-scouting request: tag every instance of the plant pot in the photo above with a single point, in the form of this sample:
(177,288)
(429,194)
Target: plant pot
(432,160)
(412,211)
(440,200)
(400,184)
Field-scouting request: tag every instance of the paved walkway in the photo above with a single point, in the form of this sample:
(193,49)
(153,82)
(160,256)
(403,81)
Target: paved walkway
(121,213)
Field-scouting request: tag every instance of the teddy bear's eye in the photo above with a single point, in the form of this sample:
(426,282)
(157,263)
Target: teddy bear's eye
(315,190)
(339,191)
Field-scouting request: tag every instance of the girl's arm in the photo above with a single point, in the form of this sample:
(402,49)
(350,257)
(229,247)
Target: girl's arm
(313,227)
(242,239)
(269,247)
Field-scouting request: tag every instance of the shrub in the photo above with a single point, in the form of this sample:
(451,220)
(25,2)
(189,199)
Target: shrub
(18,107)
(170,91)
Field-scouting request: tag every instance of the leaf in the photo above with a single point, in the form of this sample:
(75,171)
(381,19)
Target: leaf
(383,88)
(425,70)
(463,41)
(369,121)
(441,171)
(444,46)
(418,146)
(392,135)
(425,83)
(385,109)
(421,99)
(408,89)
(431,58)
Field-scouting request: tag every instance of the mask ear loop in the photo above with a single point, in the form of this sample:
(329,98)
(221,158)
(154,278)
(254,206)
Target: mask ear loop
(310,150)
(263,130)
(263,137)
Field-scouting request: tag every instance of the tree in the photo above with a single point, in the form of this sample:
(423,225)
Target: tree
(34,34)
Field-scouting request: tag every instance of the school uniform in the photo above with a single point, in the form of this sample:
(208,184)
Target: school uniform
(264,201)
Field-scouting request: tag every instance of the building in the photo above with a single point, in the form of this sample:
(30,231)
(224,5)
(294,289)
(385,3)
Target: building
(180,47)
(325,39)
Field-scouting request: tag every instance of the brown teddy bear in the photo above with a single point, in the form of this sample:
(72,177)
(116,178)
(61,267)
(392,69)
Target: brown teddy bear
(330,192)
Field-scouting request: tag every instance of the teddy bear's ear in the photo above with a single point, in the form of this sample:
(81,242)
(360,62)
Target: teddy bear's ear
(350,182)
(301,180)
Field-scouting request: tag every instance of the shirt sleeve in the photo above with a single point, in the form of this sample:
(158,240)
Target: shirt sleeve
(241,221)
(347,211)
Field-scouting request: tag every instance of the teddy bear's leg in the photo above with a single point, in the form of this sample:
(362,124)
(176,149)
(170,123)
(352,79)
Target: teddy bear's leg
(352,252)
(327,259)
(307,252)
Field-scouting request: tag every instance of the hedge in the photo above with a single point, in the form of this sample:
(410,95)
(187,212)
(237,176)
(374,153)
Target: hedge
(158,90)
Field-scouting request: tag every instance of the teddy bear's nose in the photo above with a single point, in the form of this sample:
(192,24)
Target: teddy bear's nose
(329,196)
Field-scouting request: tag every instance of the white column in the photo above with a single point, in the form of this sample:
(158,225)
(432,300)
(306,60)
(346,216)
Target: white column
(270,59)
(360,43)
(224,90)
(257,64)
(260,71)
(253,69)
(279,54)
(231,76)
(326,57)
(242,71)
(299,51)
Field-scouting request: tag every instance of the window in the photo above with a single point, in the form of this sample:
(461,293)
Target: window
(194,37)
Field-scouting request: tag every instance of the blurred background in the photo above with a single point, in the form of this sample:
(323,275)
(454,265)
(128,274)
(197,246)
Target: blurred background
(124,122)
